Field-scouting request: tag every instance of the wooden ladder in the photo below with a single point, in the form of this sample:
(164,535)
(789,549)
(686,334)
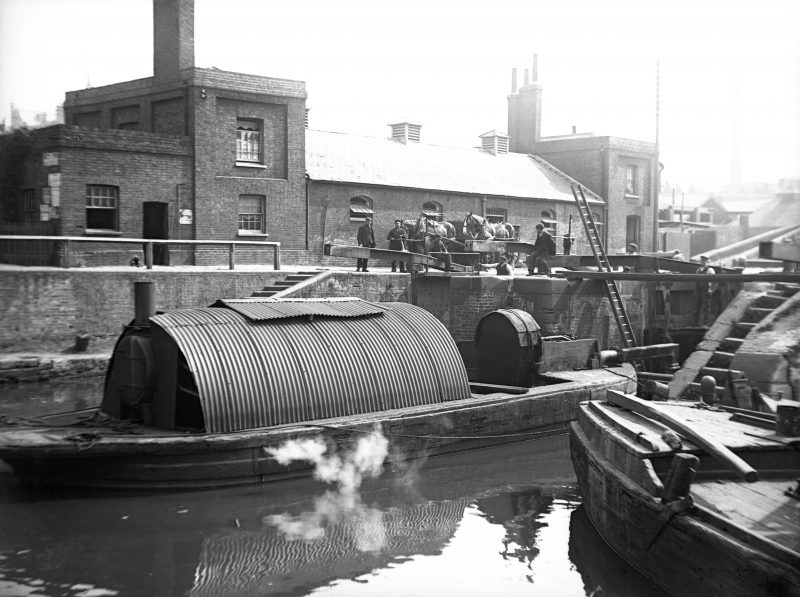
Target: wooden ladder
(612,291)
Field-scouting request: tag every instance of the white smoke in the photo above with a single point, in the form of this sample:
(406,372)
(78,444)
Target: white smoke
(347,469)
(344,506)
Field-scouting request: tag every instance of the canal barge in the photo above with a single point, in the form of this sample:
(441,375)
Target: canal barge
(213,396)
(701,500)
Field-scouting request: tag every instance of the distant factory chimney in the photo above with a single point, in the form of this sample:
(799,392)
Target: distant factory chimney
(405,130)
(525,112)
(173,38)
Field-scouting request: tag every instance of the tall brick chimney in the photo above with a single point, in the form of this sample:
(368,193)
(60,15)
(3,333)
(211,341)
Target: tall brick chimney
(173,38)
(525,112)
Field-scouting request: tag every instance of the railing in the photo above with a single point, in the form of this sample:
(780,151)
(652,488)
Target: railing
(67,242)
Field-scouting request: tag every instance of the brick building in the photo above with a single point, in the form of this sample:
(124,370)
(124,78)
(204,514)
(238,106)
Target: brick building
(351,176)
(193,153)
(188,153)
(621,171)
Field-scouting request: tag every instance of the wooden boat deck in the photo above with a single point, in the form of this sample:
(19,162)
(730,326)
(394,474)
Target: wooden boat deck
(761,507)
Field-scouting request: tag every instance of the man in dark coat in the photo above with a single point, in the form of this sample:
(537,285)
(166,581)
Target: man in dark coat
(543,248)
(365,238)
(397,242)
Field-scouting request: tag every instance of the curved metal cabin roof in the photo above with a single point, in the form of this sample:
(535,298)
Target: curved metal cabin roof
(251,372)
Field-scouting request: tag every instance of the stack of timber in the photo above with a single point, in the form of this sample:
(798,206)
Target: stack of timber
(698,499)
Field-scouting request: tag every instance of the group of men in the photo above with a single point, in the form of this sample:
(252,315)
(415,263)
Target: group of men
(544,247)
(397,237)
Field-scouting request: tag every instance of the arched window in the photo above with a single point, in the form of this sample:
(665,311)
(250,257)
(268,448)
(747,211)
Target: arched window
(433,210)
(549,221)
(360,208)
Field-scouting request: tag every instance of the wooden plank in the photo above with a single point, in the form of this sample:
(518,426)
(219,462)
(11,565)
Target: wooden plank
(716,449)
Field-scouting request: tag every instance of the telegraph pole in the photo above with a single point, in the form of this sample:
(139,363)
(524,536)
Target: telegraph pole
(658,164)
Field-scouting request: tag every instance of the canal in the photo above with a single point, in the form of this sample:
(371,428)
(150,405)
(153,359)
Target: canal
(502,521)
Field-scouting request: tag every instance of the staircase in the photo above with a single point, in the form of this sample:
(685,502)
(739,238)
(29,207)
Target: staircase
(280,287)
(603,265)
(716,354)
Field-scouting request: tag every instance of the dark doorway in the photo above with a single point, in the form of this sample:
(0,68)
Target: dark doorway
(156,225)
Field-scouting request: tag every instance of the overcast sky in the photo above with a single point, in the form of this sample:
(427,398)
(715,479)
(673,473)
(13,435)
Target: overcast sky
(447,64)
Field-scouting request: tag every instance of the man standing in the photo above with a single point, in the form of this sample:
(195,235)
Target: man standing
(397,242)
(543,248)
(703,293)
(365,238)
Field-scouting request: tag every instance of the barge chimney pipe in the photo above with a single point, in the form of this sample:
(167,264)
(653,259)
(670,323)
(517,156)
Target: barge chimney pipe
(144,300)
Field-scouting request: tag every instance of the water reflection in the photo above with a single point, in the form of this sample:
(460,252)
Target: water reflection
(497,521)
(27,399)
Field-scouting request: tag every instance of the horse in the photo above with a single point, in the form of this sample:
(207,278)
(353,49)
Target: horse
(423,231)
(479,228)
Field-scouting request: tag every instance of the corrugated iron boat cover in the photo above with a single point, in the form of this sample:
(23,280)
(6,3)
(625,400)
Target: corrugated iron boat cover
(245,364)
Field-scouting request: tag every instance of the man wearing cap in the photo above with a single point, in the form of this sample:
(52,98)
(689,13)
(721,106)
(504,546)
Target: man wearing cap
(365,238)
(543,248)
(397,238)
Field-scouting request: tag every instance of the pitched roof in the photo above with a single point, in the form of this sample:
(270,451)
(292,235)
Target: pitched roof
(339,157)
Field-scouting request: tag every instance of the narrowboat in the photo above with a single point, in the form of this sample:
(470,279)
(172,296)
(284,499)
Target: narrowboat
(702,500)
(252,390)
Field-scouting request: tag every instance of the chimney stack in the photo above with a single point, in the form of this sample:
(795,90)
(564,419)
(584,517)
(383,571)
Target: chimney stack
(525,113)
(173,39)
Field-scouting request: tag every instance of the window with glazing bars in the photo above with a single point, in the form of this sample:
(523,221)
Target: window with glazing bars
(496,214)
(632,180)
(251,214)
(248,141)
(102,204)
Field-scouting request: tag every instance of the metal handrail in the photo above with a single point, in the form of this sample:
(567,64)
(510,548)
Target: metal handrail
(148,245)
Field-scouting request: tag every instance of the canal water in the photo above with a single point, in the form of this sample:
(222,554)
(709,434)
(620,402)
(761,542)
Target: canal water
(504,521)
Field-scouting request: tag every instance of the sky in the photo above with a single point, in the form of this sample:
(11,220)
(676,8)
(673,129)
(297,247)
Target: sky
(639,69)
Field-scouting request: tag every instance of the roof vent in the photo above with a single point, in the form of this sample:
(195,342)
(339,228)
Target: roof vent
(494,142)
(405,131)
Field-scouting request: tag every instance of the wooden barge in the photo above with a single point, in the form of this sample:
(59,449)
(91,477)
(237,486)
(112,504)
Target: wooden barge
(701,500)
(205,397)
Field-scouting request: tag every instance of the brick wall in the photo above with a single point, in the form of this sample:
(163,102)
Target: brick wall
(392,203)
(44,310)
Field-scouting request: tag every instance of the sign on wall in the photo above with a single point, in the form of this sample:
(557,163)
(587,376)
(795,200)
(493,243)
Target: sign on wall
(186,216)
(50,158)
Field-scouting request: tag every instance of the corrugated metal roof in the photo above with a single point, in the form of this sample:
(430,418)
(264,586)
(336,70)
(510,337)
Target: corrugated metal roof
(252,374)
(263,309)
(340,157)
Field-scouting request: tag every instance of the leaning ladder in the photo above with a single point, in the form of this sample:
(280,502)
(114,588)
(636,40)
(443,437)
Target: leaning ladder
(614,297)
